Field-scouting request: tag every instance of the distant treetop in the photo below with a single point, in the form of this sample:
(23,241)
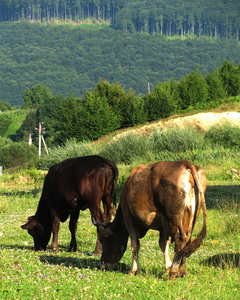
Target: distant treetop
(216,18)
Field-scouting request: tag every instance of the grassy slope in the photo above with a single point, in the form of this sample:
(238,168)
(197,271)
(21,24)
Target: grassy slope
(17,117)
(212,271)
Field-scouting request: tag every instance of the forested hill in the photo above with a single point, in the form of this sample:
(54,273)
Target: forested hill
(155,41)
(171,17)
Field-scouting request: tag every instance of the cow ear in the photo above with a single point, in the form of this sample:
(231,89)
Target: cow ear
(104,230)
(31,223)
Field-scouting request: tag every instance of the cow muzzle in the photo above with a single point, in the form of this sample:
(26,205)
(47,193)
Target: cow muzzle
(106,266)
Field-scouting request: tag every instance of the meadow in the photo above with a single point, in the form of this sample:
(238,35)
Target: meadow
(213,271)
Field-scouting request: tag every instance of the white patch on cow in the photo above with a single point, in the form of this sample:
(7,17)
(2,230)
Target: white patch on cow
(167,259)
(190,201)
(134,266)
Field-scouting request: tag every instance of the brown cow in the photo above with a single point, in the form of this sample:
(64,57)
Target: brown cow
(165,196)
(70,186)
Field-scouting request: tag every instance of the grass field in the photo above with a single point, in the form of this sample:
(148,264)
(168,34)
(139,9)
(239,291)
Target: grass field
(213,271)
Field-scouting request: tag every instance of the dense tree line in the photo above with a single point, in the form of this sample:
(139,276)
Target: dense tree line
(108,107)
(215,18)
(202,17)
(71,58)
(45,10)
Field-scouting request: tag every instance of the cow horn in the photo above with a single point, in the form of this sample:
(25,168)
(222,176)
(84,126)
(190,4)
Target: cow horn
(100,227)
(95,223)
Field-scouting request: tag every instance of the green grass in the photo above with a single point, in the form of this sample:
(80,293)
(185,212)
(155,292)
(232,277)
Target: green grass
(213,271)
(17,117)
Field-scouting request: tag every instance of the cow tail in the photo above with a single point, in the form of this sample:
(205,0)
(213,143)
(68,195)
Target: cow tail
(193,245)
(114,188)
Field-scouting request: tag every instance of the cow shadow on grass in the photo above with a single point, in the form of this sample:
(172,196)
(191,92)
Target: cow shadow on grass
(223,261)
(91,262)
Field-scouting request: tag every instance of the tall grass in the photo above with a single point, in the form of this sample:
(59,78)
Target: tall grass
(226,135)
(219,147)
(70,149)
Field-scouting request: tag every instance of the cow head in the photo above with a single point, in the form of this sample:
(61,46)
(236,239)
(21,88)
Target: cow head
(114,243)
(36,230)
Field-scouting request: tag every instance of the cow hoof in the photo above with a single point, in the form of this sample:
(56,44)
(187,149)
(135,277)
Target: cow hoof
(172,276)
(182,272)
(132,273)
(72,249)
(167,270)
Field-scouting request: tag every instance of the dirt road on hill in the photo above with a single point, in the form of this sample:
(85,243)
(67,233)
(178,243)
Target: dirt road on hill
(201,121)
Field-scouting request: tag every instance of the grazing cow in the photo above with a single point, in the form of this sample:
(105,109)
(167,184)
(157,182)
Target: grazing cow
(70,186)
(165,196)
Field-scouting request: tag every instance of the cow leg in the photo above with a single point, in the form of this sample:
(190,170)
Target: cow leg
(180,241)
(98,216)
(164,245)
(178,268)
(107,210)
(55,229)
(182,268)
(107,197)
(98,247)
(73,229)
(135,243)
(135,246)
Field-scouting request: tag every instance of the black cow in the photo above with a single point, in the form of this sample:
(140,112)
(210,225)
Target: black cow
(70,186)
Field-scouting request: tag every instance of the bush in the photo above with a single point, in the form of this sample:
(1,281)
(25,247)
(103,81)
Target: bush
(5,122)
(70,149)
(178,140)
(226,135)
(14,154)
(127,149)
(5,106)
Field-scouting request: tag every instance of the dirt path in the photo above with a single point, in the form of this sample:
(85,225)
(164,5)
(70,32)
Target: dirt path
(201,121)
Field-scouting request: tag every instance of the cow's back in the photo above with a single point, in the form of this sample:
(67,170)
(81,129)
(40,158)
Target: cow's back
(160,191)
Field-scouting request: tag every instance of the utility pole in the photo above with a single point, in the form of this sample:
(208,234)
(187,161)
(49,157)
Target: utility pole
(40,135)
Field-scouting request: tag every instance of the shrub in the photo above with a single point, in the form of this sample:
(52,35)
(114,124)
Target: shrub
(14,154)
(5,122)
(127,149)
(178,140)
(70,149)
(226,135)
(5,106)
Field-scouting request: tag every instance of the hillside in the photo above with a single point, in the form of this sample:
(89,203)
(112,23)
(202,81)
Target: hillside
(200,121)
(73,58)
